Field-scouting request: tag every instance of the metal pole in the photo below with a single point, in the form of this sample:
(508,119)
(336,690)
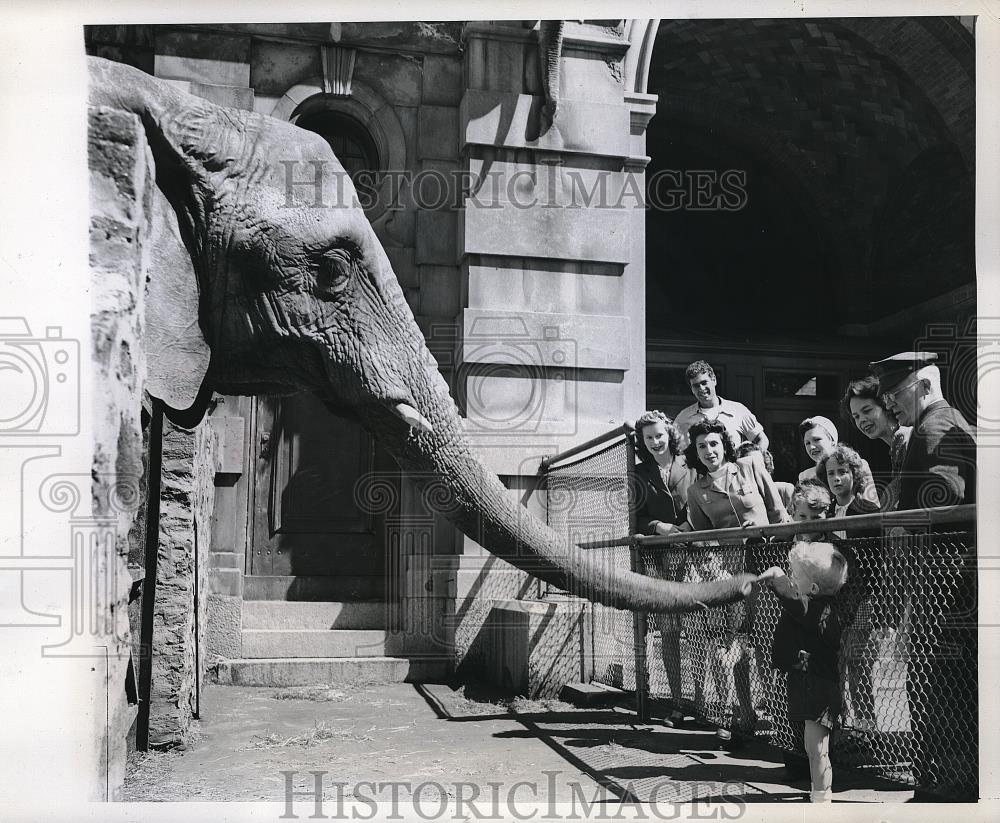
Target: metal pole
(640,620)
(547,462)
(149,584)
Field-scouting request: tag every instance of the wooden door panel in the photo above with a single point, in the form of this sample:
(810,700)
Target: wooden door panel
(317,461)
(305,520)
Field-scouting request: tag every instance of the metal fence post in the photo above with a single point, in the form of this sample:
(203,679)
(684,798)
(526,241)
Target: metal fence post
(149,583)
(639,619)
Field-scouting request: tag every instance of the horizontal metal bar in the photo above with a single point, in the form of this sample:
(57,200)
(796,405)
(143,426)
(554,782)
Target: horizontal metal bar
(548,462)
(880,520)
(610,543)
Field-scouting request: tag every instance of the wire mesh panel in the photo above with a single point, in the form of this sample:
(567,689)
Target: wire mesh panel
(587,501)
(907,657)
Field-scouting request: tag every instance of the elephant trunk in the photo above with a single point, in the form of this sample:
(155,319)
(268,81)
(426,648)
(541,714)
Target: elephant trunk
(475,500)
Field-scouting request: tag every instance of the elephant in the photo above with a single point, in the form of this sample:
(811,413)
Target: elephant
(290,297)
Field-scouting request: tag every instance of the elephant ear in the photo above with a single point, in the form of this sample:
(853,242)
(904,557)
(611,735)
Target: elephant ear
(177,355)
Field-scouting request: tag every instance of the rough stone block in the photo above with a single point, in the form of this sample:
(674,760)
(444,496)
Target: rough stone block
(442,80)
(440,290)
(439,186)
(202,57)
(121,186)
(437,241)
(437,132)
(586,75)
(224,617)
(590,234)
(397,226)
(537,339)
(562,287)
(396,77)
(579,182)
(503,67)
(187,495)
(234,97)
(403,265)
(226,582)
(491,118)
(277,66)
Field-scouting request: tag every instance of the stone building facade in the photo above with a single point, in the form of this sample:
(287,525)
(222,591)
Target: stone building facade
(557,305)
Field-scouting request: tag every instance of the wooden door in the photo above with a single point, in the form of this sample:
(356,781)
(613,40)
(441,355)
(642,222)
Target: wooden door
(306,524)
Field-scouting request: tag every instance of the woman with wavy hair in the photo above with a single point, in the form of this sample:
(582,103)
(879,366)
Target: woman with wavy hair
(729,492)
(841,471)
(862,404)
(660,501)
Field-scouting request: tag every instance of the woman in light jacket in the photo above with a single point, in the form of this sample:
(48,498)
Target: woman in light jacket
(730,492)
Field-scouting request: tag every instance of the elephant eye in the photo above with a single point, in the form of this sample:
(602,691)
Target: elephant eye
(334,272)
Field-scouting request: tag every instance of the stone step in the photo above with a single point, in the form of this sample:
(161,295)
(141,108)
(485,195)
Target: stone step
(316,614)
(318,671)
(337,588)
(225,560)
(280,643)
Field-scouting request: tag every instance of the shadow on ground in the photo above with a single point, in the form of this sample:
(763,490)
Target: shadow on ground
(260,743)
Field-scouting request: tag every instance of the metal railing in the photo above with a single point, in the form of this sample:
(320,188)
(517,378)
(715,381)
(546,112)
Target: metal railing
(908,657)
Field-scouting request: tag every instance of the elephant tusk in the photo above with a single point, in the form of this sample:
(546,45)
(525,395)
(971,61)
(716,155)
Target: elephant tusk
(412,417)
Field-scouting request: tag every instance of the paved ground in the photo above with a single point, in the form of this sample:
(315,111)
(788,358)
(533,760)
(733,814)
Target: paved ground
(434,739)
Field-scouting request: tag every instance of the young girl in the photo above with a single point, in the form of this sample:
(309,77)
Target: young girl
(806,644)
(841,469)
(819,436)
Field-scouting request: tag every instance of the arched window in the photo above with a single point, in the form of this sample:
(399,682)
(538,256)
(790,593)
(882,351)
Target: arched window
(350,141)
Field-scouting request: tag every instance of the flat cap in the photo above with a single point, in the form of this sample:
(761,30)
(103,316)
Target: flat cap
(895,369)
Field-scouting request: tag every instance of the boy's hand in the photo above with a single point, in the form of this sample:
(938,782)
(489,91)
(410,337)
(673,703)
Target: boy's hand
(770,574)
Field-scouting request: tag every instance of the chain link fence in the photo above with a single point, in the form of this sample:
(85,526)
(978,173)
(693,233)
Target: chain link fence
(908,656)
(587,502)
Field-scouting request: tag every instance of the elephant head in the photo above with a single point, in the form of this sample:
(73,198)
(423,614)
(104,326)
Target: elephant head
(294,297)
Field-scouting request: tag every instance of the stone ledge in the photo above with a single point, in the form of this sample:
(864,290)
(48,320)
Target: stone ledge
(564,233)
(547,340)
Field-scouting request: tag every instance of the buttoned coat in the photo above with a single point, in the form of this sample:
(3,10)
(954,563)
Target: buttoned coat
(658,501)
(939,468)
(744,494)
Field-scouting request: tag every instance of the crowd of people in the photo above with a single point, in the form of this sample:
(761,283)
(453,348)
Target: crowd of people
(709,468)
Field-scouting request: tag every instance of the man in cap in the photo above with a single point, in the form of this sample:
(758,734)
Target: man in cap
(939,469)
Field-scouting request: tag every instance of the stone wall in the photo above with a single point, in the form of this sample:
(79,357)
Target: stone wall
(187,496)
(121,186)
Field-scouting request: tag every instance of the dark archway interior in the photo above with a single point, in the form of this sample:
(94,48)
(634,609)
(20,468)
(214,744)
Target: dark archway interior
(750,261)
(858,199)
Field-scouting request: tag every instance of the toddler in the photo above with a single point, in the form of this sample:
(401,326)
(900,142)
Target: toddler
(806,645)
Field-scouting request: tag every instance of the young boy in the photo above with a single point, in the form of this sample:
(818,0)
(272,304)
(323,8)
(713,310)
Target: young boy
(806,645)
(810,501)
